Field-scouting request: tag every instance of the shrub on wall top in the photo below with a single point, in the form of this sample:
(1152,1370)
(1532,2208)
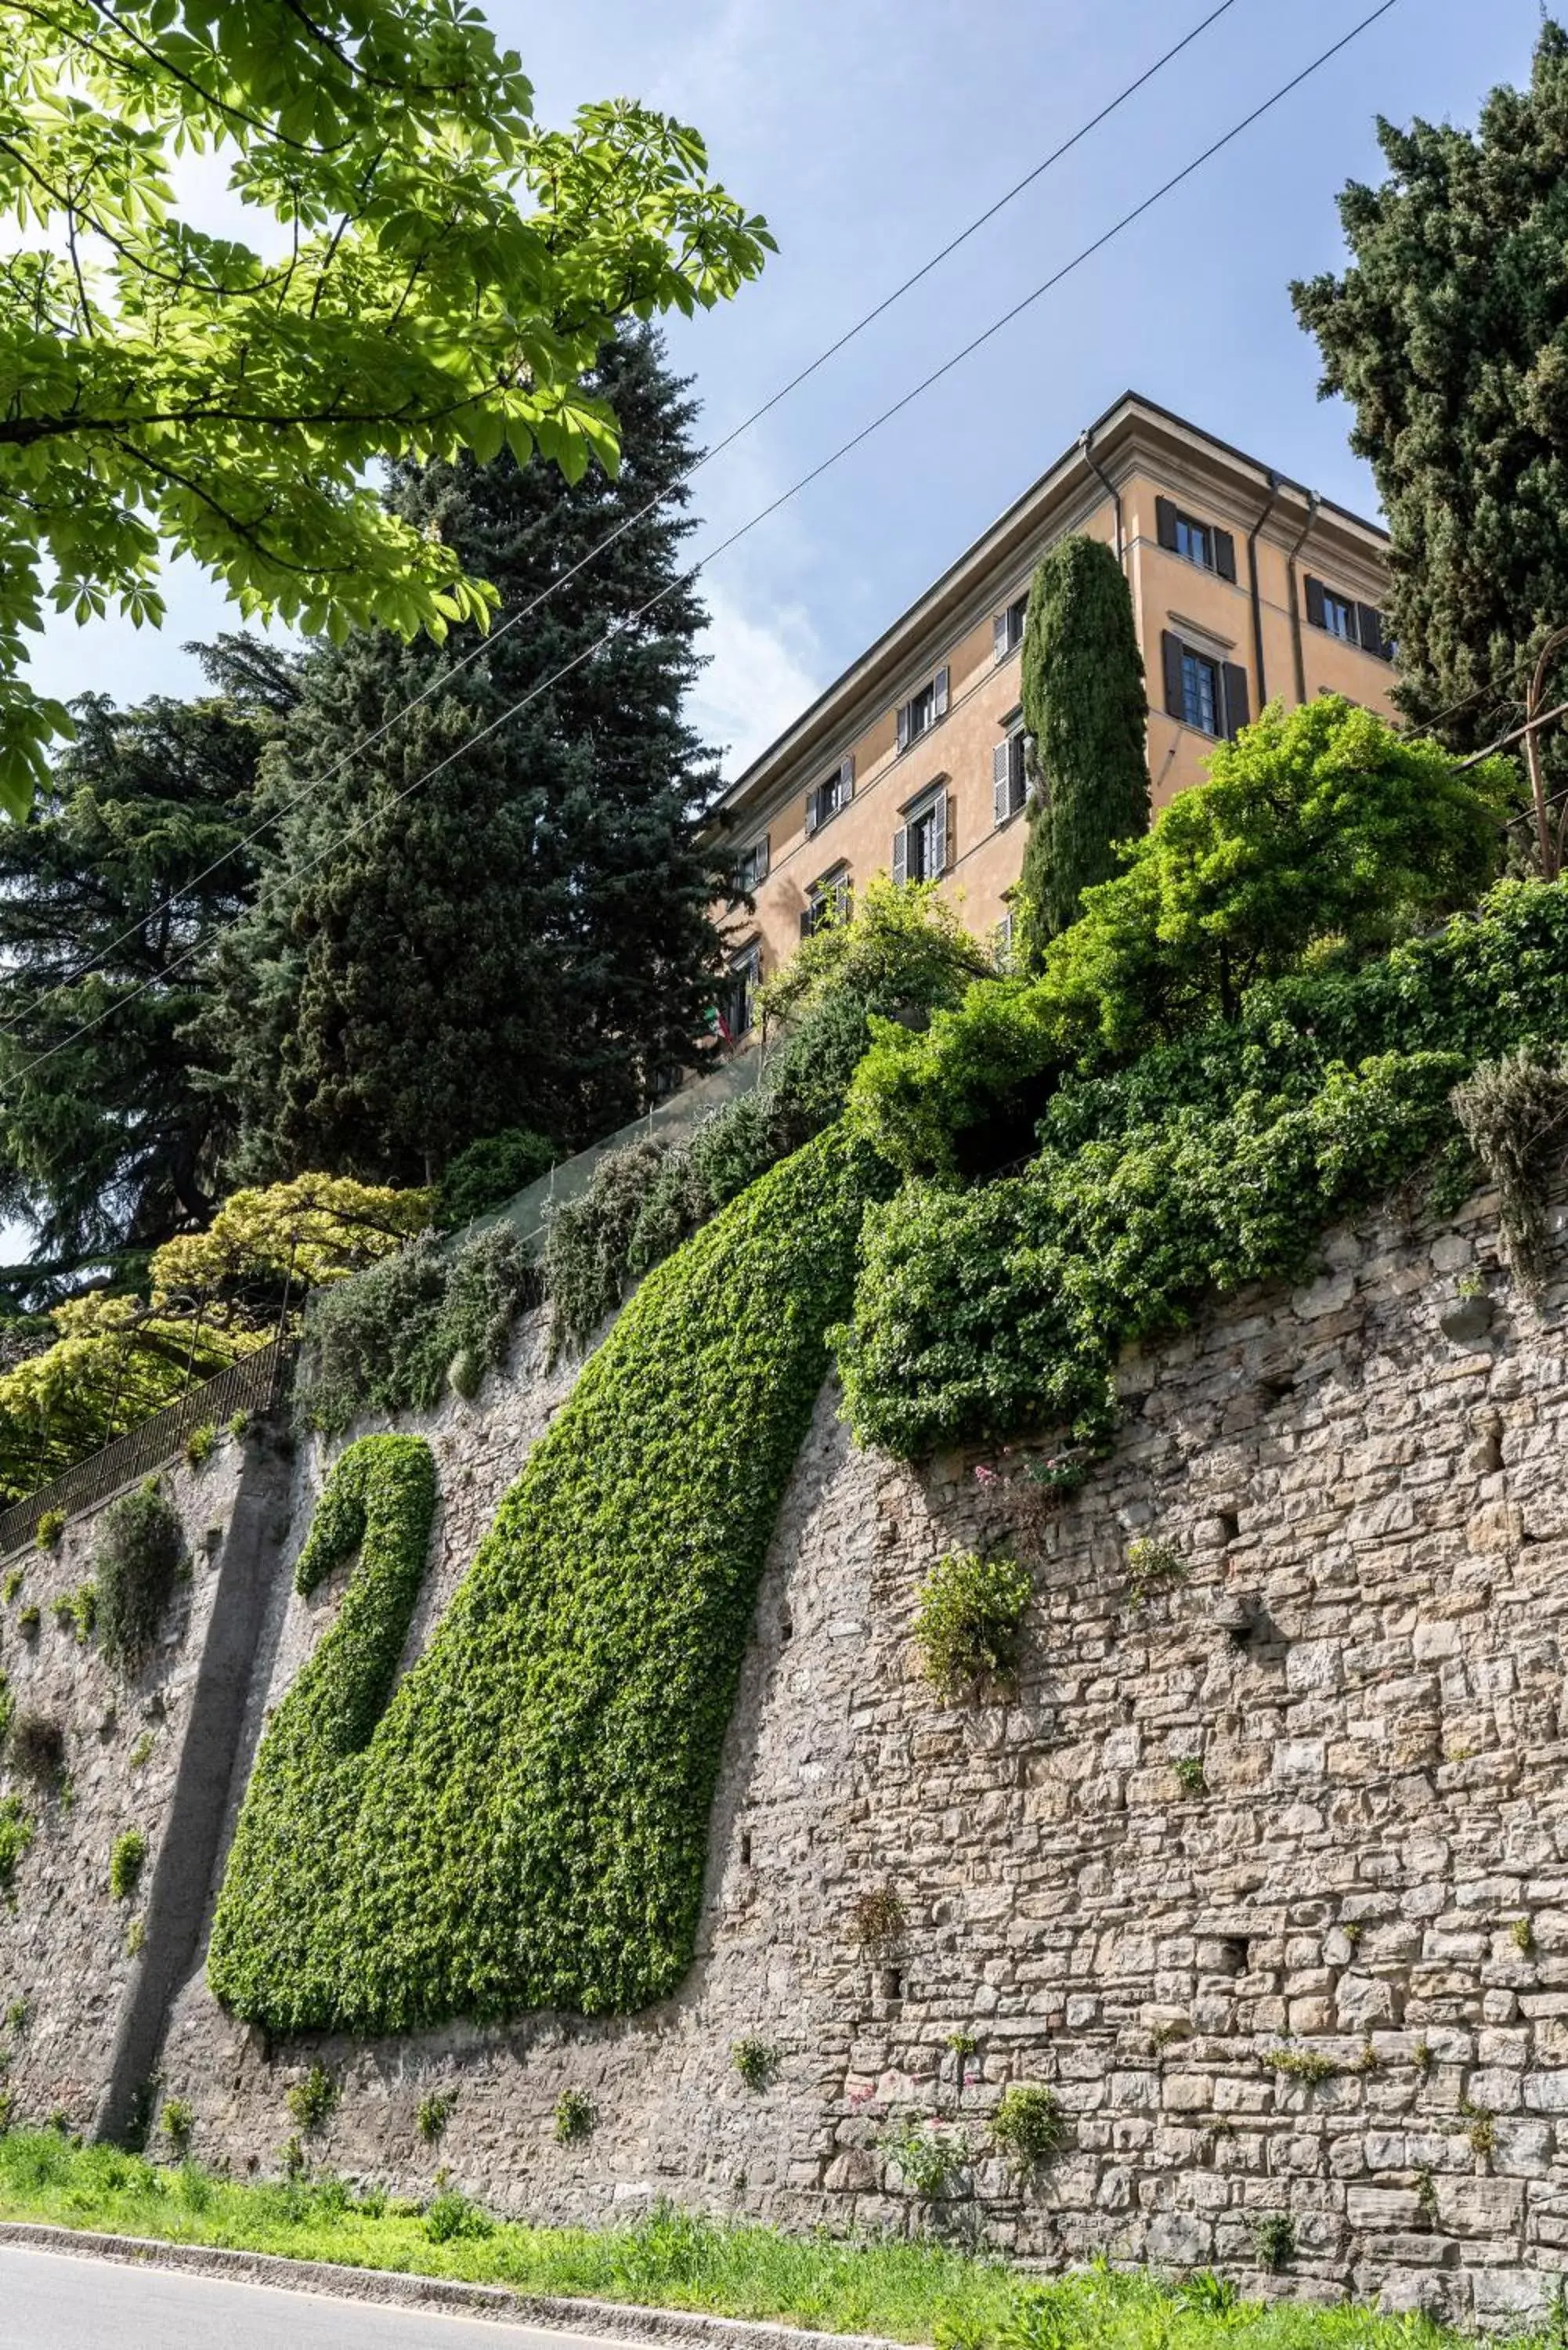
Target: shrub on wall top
(137,1561)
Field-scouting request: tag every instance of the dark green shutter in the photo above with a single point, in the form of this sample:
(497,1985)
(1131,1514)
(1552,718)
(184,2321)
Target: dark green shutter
(1224,554)
(1171,652)
(1237,708)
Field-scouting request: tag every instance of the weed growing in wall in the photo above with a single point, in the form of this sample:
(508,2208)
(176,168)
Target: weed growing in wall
(968,1623)
(137,1561)
(1514,1112)
(527,1823)
(433,2113)
(177,2121)
(16,1835)
(1029,2125)
(754,2061)
(27,1622)
(928,2157)
(51,1525)
(38,1747)
(879,1922)
(310,2102)
(15,1577)
(574,2117)
(76,1612)
(1274,2240)
(200,1447)
(7,1706)
(126,1863)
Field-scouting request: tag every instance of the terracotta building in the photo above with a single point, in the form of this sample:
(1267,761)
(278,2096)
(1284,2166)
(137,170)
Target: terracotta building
(1245,587)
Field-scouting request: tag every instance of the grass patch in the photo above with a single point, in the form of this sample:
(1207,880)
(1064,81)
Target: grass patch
(909,2291)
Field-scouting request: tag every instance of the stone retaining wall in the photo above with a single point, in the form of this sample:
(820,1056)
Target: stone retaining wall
(1306,1800)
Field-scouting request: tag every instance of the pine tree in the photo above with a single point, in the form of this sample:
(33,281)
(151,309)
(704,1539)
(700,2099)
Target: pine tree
(108,1139)
(521,939)
(1449,335)
(1083,693)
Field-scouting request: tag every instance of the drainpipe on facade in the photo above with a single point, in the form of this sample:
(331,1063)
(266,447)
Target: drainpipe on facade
(1296,645)
(1086,445)
(1253,583)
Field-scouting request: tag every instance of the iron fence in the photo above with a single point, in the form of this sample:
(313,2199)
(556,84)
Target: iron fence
(254,1384)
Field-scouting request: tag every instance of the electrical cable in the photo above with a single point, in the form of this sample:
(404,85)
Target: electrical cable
(629,521)
(685,579)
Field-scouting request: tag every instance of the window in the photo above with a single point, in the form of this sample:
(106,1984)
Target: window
(1007,629)
(835,791)
(750,868)
(923,842)
(924,709)
(1203,542)
(1202,689)
(1009,776)
(828,900)
(736,995)
(1353,623)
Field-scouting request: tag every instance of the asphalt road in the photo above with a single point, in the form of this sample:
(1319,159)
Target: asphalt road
(51,2301)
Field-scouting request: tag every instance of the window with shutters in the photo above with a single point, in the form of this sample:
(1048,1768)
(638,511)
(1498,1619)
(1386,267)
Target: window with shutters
(750,868)
(738,996)
(1202,690)
(1354,624)
(1007,629)
(1203,542)
(920,712)
(1009,776)
(922,845)
(828,900)
(835,792)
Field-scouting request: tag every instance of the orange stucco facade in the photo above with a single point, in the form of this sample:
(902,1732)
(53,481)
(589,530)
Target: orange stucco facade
(1246,588)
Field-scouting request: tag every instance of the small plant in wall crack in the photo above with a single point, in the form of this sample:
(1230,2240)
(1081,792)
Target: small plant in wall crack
(76,1612)
(1152,1565)
(126,1863)
(1423,2056)
(1187,1772)
(14,1578)
(1028,2125)
(310,2102)
(1308,2066)
(575,2116)
(50,1527)
(1522,1934)
(928,2157)
(879,1922)
(16,1835)
(968,1622)
(200,1445)
(433,2113)
(1274,2240)
(755,2062)
(1426,2193)
(1481,2135)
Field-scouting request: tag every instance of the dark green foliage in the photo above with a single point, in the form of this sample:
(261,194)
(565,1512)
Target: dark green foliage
(113,1143)
(1083,693)
(968,1621)
(1449,336)
(524,942)
(433,2113)
(16,1835)
(1204,1164)
(137,1561)
(1514,1113)
(1320,837)
(311,2102)
(489,1173)
(1028,2124)
(451,2215)
(388,1339)
(126,1863)
(574,2116)
(527,1825)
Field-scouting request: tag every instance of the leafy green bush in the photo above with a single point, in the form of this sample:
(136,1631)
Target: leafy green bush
(968,1620)
(928,2157)
(126,1863)
(526,1823)
(1028,2124)
(311,2102)
(1202,1164)
(489,1173)
(451,2216)
(574,2116)
(388,1339)
(200,1445)
(177,2121)
(433,2113)
(50,1527)
(16,1835)
(137,1561)
(76,1612)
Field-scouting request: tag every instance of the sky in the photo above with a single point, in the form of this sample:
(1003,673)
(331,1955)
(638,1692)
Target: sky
(869,133)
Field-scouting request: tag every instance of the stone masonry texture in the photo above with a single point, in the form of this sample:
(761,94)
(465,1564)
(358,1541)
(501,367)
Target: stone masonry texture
(1319,1971)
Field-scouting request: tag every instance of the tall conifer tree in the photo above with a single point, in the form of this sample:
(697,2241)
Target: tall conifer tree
(521,939)
(1083,693)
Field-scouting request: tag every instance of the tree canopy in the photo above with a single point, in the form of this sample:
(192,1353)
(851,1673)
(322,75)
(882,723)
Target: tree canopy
(434,272)
(110,1140)
(523,940)
(1449,335)
(1083,693)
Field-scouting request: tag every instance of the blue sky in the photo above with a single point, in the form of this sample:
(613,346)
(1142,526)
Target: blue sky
(868,132)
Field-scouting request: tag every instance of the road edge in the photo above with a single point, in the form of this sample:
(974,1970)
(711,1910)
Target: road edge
(403,2289)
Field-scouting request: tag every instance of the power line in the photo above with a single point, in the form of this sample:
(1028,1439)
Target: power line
(629,521)
(685,579)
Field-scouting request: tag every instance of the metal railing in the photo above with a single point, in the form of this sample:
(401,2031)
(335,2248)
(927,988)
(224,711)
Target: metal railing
(254,1384)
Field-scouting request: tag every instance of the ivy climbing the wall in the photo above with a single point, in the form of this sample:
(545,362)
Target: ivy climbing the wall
(526,1825)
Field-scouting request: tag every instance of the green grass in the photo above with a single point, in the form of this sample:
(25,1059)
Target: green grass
(911,2291)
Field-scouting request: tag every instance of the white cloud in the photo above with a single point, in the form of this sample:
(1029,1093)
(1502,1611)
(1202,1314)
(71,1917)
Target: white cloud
(761,673)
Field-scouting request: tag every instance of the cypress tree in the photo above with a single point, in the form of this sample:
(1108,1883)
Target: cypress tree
(1449,335)
(1083,693)
(110,1137)
(521,941)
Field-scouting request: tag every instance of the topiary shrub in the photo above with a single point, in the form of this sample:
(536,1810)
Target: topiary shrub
(526,1823)
(38,1747)
(137,1561)
(968,1621)
(388,1339)
(126,1863)
(489,1173)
